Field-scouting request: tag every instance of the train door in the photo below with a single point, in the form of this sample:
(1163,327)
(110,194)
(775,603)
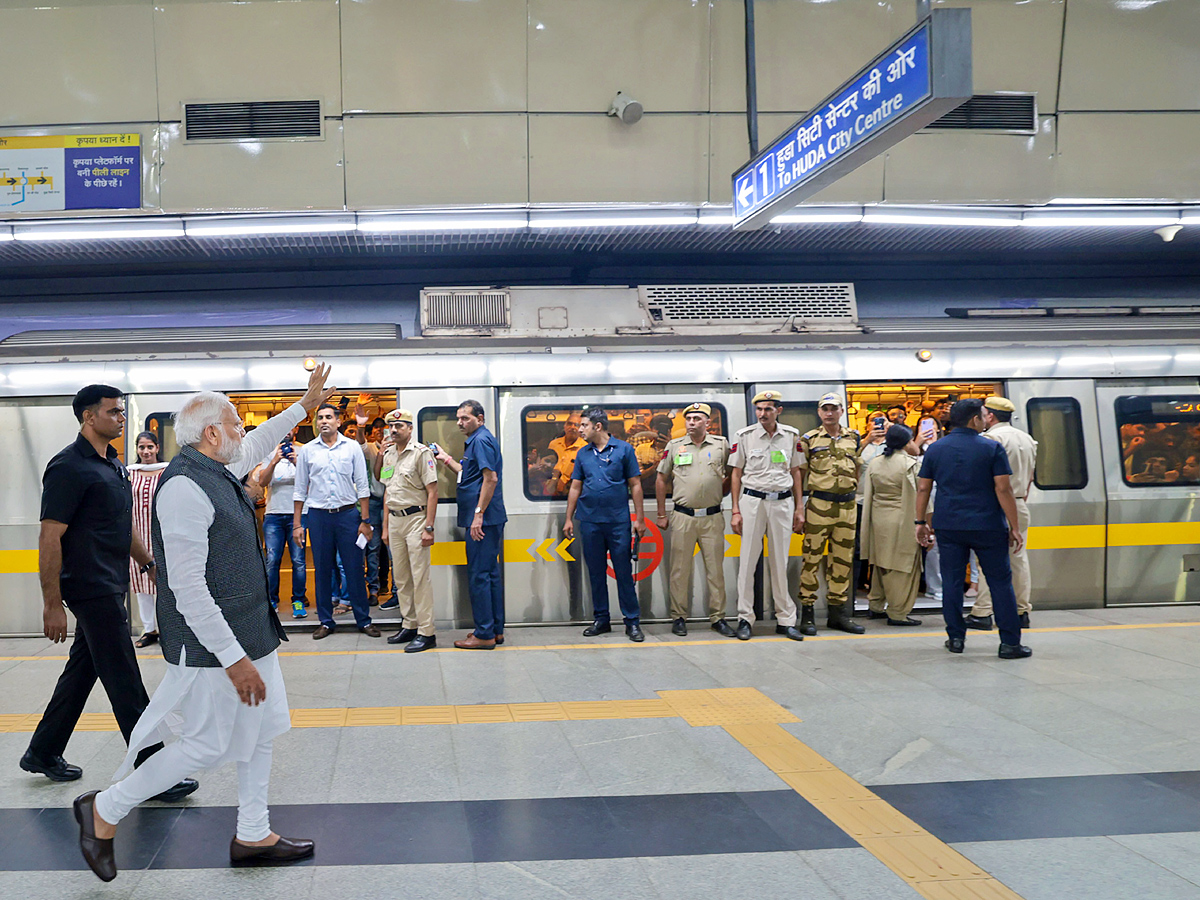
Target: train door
(1150,437)
(436,412)
(1067,500)
(545,578)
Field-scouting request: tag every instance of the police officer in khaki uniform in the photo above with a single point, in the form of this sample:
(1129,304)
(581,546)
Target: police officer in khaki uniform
(407,468)
(832,462)
(694,466)
(765,482)
(1022,454)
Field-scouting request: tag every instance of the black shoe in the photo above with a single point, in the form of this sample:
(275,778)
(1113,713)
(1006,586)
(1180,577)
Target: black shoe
(178,792)
(907,620)
(743,630)
(839,620)
(634,632)
(871,614)
(979,623)
(679,627)
(403,636)
(1024,620)
(1014,651)
(392,603)
(285,850)
(724,628)
(596,628)
(53,767)
(421,642)
(955,645)
(789,631)
(808,621)
(97,852)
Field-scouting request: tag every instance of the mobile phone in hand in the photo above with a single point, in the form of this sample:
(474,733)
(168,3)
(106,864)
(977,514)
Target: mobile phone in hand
(880,421)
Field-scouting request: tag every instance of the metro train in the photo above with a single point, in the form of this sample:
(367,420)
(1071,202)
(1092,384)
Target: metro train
(1115,409)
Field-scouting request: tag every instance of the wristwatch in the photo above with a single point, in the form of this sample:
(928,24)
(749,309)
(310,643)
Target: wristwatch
(920,521)
(147,567)
(479,510)
(365,521)
(429,529)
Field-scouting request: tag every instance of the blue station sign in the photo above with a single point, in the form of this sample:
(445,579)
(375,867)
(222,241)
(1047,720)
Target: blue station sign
(918,79)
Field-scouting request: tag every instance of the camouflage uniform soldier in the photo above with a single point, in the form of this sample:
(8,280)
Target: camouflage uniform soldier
(831,455)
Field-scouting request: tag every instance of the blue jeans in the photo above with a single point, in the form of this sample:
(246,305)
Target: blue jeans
(992,549)
(375,547)
(277,529)
(333,534)
(486,582)
(614,539)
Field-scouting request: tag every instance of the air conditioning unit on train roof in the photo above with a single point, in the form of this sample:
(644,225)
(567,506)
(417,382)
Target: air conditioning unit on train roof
(583,311)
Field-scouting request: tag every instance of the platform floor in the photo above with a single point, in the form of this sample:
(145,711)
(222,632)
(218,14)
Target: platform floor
(562,767)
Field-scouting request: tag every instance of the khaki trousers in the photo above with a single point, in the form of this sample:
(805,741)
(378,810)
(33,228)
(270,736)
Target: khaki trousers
(410,572)
(772,518)
(1020,571)
(685,533)
(893,591)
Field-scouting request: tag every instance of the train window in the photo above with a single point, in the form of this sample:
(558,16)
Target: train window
(163,424)
(801,416)
(1160,439)
(1056,423)
(439,425)
(550,438)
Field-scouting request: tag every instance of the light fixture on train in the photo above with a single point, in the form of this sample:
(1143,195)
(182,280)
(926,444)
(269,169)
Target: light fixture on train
(924,355)
(309,363)
(625,108)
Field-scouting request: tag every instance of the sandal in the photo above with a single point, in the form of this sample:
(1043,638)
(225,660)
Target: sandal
(342,609)
(150,637)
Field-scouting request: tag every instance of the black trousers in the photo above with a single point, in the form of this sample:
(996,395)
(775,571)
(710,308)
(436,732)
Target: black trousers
(102,649)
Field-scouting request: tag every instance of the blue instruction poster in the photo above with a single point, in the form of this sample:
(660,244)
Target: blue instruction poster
(77,171)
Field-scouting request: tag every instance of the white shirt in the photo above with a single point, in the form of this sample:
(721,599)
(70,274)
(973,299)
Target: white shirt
(185,514)
(283,485)
(371,453)
(331,477)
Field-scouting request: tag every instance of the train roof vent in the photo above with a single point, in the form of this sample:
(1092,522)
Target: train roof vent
(777,304)
(1011,113)
(262,120)
(466,308)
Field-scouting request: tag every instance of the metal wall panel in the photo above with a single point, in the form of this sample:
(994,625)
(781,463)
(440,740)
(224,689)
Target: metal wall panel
(1112,155)
(257,50)
(433,160)
(434,56)
(598,159)
(581,52)
(1017,46)
(1131,54)
(252,175)
(78,63)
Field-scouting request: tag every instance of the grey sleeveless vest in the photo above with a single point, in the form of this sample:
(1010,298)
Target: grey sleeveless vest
(235,572)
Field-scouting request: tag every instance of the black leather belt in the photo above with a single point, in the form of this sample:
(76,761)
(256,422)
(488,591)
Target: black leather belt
(332,511)
(767,495)
(698,513)
(409,510)
(834,498)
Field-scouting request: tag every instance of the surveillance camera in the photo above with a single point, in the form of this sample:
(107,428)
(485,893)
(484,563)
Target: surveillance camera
(625,108)
(1168,232)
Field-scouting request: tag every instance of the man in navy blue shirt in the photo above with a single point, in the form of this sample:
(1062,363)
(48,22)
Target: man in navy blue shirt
(481,512)
(606,473)
(976,510)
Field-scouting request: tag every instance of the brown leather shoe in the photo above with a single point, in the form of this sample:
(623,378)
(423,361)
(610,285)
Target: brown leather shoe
(371,630)
(499,639)
(97,852)
(322,631)
(284,850)
(471,642)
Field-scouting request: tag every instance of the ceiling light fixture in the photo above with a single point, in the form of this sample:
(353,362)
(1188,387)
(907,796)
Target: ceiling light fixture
(957,221)
(253,227)
(817,218)
(1098,220)
(612,220)
(97,231)
(402,224)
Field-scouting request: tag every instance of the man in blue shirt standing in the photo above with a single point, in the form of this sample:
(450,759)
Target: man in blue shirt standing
(976,510)
(481,512)
(606,473)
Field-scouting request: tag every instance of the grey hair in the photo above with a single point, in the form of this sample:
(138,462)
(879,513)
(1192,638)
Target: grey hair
(197,413)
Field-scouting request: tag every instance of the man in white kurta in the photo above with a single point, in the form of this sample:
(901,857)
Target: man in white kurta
(230,712)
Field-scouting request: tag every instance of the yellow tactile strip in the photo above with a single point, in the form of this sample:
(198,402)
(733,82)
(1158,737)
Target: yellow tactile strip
(932,868)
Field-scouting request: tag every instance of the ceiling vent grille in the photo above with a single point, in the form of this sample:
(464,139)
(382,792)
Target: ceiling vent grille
(253,121)
(717,304)
(1012,113)
(469,308)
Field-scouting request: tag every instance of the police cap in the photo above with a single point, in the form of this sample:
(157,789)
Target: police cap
(768,397)
(830,399)
(699,408)
(398,415)
(1000,404)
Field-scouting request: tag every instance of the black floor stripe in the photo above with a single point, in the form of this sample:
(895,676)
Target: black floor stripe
(444,832)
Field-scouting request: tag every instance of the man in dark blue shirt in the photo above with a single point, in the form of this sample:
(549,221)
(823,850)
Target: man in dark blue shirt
(606,473)
(976,510)
(481,512)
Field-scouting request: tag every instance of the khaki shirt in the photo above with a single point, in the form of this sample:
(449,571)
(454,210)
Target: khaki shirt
(697,472)
(566,455)
(766,460)
(406,475)
(832,461)
(1022,454)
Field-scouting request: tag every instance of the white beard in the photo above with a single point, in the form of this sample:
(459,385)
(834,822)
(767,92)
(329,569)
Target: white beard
(227,449)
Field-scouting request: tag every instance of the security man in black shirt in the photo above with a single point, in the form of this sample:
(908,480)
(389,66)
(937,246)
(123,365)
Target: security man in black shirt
(84,547)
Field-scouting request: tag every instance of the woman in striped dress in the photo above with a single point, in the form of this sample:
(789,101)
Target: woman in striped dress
(144,475)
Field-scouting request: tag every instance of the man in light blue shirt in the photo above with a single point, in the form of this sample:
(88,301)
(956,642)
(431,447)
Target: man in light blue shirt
(331,476)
